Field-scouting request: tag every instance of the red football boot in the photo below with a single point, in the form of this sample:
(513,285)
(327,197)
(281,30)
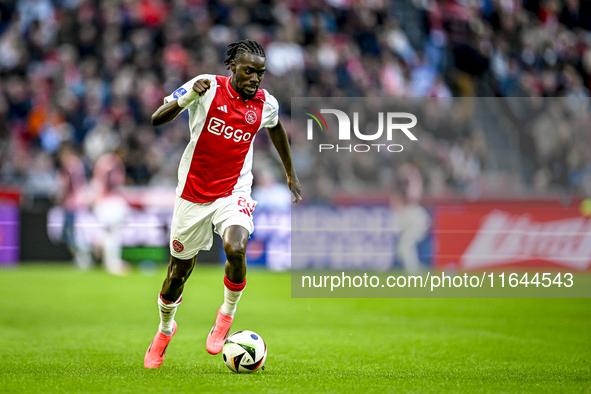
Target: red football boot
(157,350)
(219,332)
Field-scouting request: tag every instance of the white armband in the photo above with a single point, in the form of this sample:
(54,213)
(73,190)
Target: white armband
(187,99)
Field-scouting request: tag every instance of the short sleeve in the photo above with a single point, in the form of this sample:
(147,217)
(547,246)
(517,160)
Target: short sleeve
(270,111)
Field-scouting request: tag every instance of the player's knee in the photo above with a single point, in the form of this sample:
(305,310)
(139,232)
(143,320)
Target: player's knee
(235,251)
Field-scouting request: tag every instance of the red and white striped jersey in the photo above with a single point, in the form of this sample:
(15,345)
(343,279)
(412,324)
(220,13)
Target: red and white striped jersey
(218,160)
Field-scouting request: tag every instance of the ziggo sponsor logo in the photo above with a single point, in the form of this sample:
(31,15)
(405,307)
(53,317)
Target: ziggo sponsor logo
(218,127)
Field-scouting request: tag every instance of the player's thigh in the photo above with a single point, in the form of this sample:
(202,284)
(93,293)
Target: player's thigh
(190,230)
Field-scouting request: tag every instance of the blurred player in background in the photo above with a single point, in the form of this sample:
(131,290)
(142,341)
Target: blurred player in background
(110,209)
(413,219)
(71,196)
(215,179)
(269,193)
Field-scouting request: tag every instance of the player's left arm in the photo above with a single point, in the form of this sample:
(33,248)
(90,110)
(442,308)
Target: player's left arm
(281,143)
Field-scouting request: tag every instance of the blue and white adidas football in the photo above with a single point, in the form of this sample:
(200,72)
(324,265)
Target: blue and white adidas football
(245,351)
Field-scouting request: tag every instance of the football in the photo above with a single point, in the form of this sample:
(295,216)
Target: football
(245,351)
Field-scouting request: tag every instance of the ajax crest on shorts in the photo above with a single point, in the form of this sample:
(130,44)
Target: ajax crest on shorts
(177,246)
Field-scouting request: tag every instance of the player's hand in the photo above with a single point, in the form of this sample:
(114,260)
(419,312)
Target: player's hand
(201,86)
(295,187)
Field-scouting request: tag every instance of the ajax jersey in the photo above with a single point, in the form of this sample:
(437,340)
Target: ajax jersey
(218,159)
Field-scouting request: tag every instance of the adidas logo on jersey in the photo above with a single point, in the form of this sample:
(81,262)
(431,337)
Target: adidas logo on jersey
(223,108)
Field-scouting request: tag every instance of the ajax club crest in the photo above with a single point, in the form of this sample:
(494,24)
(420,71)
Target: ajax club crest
(250,116)
(177,246)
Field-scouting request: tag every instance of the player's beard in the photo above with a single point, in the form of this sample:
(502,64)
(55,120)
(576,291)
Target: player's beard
(246,95)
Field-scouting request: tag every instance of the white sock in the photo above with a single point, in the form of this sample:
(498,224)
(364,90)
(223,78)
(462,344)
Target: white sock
(167,312)
(231,298)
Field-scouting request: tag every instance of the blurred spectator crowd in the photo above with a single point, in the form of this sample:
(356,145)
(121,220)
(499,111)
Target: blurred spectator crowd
(90,73)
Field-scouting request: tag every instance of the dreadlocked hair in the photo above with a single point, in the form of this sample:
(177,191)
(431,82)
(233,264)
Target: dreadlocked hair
(248,46)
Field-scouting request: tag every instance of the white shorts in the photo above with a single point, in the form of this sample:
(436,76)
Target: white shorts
(191,222)
(111,210)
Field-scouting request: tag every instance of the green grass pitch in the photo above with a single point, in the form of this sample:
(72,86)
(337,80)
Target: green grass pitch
(66,331)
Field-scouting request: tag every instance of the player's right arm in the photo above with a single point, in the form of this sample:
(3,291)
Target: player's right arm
(168,111)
